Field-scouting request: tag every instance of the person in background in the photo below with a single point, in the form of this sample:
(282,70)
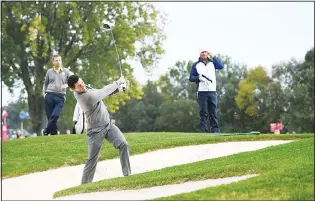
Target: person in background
(203,74)
(54,91)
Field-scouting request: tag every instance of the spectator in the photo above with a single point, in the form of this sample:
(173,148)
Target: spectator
(54,91)
(203,74)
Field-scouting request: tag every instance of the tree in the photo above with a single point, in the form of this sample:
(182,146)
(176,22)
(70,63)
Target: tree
(178,116)
(250,97)
(140,115)
(175,84)
(230,116)
(33,31)
(300,113)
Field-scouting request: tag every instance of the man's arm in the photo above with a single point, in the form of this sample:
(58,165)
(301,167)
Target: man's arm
(194,76)
(99,94)
(217,63)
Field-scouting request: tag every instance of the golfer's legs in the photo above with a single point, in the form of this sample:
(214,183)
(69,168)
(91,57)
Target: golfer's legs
(95,141)
(117,139)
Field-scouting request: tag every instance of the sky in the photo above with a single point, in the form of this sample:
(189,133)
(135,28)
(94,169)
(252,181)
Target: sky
(251,33)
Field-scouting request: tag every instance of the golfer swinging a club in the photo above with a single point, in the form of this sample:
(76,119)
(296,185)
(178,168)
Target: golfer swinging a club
(99,125)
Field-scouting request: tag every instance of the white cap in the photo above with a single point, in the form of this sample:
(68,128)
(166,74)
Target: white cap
(202,49)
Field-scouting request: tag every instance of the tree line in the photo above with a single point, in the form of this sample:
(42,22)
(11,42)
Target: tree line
(248,99)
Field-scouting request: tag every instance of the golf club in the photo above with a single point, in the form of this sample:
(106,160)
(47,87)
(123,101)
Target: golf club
(107,27)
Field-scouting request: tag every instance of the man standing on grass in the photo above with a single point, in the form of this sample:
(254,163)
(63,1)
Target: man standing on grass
(54,91)
(203,73)
(99,125)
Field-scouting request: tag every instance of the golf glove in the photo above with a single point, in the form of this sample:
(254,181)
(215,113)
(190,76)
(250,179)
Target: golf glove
(121,80)
(122,87)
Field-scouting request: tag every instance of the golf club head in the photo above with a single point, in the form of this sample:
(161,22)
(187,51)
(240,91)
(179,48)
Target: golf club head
(106,26)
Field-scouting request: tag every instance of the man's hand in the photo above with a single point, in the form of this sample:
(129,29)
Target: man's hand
(121,80)
(64,86)
(122,87)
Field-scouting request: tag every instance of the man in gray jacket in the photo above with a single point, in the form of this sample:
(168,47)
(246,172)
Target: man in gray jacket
(54,91)
(99,125)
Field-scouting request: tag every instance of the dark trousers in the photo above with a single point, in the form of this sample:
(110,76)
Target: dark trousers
(53,105)
(207,101)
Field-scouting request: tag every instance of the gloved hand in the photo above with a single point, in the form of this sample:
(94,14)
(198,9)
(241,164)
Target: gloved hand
(123,86)
(121,80)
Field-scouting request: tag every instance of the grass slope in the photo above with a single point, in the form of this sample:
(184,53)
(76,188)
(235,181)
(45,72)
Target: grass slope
(285,172)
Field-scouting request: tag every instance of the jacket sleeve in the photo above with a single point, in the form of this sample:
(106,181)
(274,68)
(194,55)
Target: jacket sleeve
(217,63)
(194,76)
(99,94)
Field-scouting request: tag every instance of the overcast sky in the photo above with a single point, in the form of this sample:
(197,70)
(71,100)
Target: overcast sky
(252,33)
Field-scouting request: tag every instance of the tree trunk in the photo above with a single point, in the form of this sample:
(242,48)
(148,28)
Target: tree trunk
(36,110)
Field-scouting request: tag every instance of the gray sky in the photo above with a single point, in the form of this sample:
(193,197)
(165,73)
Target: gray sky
(251,33)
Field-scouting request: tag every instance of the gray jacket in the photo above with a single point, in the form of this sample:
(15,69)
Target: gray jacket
(54,81)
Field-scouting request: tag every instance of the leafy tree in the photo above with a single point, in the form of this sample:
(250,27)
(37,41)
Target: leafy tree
(178,116)
(33,31)
(140,115)
(250,97)
(230,116)
(300,113)
(175,84)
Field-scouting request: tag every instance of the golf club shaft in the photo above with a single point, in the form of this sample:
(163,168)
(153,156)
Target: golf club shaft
(116,51)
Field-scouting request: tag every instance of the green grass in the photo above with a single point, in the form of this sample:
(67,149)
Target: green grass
(20,157)
(286,172)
